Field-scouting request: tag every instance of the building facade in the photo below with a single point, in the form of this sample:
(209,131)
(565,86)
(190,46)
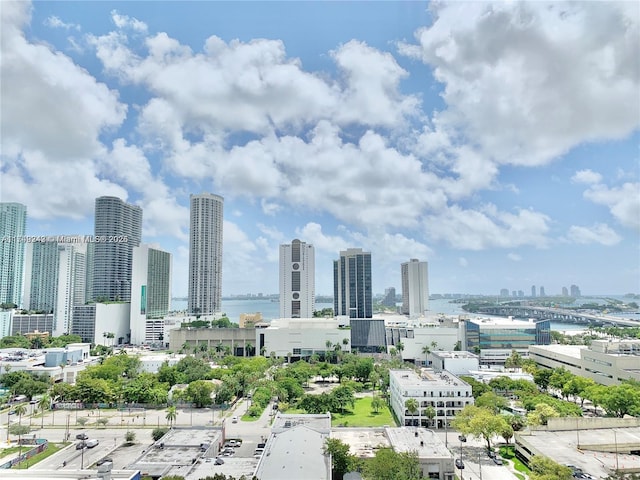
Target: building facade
(41,276)
(442,391)
(205,254)
(415,288)
(607,362)
(102,323)
(118,228)
(494,339)
(13,222)
(352,284)
(26,323)
(150,292)
(297,280)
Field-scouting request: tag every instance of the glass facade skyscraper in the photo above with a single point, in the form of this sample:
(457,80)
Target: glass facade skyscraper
(118,227)
(205,254)
(352,285)
(13,222)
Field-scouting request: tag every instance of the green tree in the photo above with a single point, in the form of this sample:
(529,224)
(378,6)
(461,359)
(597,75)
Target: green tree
(514,360)
(130,437)
(44,404)
(541,415)
(411,404)
(341,459)
(19,431)
(389,465)
(199,392)
(377,403)
(102,422)
(479,422)
(20,410)
(491,401)
(621,400)
(82,421)
(172,415)
(158,433)
(543,468)
(343,396)
(430,413)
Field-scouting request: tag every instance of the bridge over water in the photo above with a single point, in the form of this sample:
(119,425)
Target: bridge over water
(558,315)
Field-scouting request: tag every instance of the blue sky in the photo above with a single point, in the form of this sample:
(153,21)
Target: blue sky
(497,141)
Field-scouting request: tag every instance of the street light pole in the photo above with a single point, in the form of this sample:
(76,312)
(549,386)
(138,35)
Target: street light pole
(615,439)
(446,432)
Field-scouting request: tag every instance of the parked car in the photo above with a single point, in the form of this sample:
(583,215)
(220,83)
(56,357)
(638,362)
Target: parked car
(491,454)
(82,436)
(498,461)
(80,445)
(219,461)
(92,443)
(459,464)
(104,460)
(234,419)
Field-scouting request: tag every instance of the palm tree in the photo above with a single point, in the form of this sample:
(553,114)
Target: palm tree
(20,410)
(411,404)
(44,404)
(426,350)
(248,350)
(172,415)
(430,413)
(185,347)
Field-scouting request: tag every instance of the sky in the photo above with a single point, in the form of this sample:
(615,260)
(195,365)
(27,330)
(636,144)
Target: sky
(498,141)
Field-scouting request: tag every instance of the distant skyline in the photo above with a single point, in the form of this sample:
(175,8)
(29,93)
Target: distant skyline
(499,142)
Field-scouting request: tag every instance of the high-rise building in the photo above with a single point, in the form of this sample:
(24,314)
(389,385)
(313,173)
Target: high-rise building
(66,294)
(118,228)
(205,254)
(542,294)
(297,280)
(389,299)
(352,284)
(415,287)
(533,290)
(504,292)
(565,292)
(575,291)
(150,292)
(13,222)
(41,276)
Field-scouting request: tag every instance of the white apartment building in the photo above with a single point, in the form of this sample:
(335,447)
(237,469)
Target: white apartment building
(458,363)
(415,288)
(443,391)
(418,339)
(205,254)
(297,280)
(302,337)
(607,362)
(95,322)
(150,294)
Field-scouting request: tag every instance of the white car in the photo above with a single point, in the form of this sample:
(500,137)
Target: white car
(234,419)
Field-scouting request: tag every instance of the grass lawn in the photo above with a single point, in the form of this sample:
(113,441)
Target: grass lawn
(508,453)
(363,416)
(51,449)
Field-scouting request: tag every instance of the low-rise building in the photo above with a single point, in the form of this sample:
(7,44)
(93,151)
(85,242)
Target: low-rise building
(443,391)
(494,339)
(302,337)
(102,323)
(237,340)
(458,363)
(434,457)
(295,448)
(608,362)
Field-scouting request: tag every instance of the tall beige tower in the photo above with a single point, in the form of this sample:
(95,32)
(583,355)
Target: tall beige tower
(415,287)
(297,280)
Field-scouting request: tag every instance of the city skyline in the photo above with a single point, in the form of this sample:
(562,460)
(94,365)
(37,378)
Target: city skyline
(504,152)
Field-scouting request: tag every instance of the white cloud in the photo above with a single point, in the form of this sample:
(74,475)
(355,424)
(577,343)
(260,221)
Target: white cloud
(312,233)
(488,227)
(126,22)
(528,81)
(55,22)
(586,176)
(514,257)
(623,202)
(51,124)
(598,233)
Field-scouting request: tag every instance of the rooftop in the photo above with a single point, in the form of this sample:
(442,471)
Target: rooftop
(453,354)
(568,350)
(409,378)
(425,442)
